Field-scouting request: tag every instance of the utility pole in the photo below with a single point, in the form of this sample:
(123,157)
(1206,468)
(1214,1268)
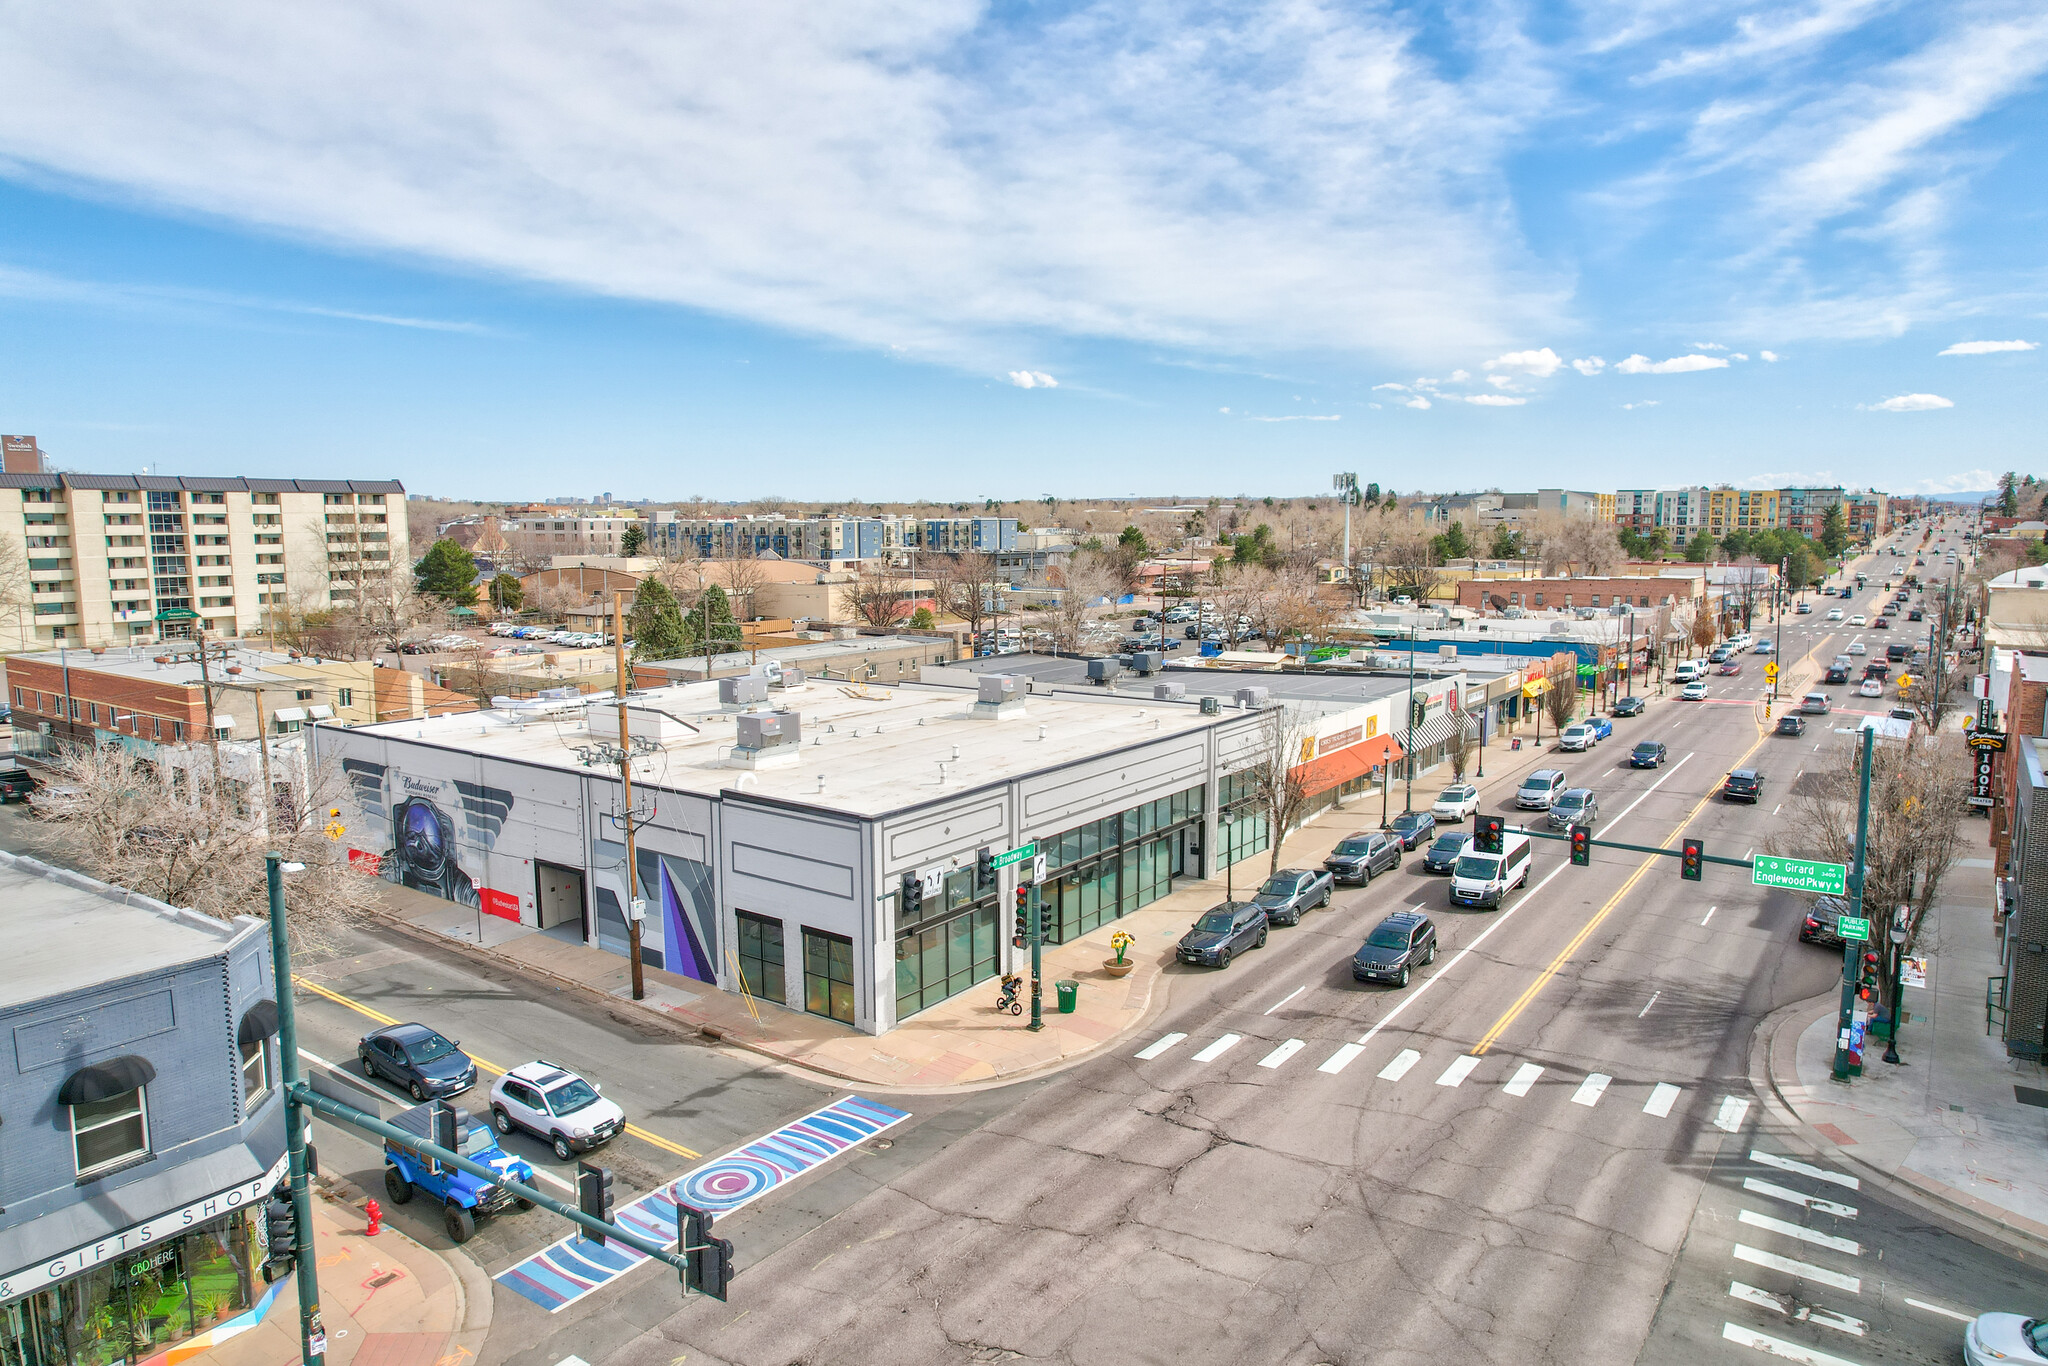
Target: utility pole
(1408,761)
(1851,953)
(312,1334)
(1347,489)
(206,700)
(1778,650)
(633,907)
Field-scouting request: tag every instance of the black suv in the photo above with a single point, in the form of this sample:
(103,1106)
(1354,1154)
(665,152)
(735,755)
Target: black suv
(1743,785)
(1223,931)
(1413,827)
(1357,857)
(1397,946)
(1628,706)
(1823,923)
(1837,674)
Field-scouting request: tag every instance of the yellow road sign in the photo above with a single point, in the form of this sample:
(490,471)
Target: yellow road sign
(1770,671)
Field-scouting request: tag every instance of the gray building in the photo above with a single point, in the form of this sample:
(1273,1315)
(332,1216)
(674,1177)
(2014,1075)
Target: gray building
(144,1120)
(2025,946)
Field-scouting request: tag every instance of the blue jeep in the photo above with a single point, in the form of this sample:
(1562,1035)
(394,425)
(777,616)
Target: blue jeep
(463,1197)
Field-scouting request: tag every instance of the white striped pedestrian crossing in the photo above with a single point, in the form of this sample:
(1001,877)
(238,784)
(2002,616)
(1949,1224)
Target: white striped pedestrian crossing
(1826,1318)
(1591,1089)
(1524,1078)
(1217,1049)
(1778,1347)
(1282,1053)
(1758,1186)
(1341,1059)
(1398,1068)
(1786,1164)
(1662,1097)
(1806,1270)
(1729,1117)
(1801,1232)
(1459,1070)
(1161,1046)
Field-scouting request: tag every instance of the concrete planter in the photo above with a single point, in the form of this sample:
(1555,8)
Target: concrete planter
(1116,969)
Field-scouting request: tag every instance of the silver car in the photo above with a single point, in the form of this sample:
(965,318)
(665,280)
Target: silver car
(1574,806)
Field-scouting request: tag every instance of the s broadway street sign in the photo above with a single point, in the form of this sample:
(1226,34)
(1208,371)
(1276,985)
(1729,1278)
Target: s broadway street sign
(1010,856)
(1799,875)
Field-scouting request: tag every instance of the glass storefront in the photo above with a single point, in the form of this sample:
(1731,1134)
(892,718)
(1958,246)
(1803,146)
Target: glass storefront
(1110,867)
(130,1310)
(1243,826)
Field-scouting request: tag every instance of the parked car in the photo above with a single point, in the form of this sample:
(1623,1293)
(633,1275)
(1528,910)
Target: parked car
(417,1060)
(16,784)
(1823,921)
(1456,802)
(1629,706)
(1574,806)
(1991,1339)
(1731,668)
(1413,828)
(555,1104)
(1539,789)
(1222,932)
(54,802)
(1647,754)
(1793,724)
(1358,857)
(463,1197)
(1403,942)
(1291,891)
(1695,691)
(1803,608)
(1442,856)
(1743,785)
(1579,735)
(1602,727)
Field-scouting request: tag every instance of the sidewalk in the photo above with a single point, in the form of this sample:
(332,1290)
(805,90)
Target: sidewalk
(1960,1124)
(385,1301)
(961,1042)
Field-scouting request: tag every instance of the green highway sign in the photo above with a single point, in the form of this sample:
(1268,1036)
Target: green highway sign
(1852,928)
(1799,875)
(1010,856)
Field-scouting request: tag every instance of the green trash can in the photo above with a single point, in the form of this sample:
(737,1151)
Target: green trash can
(1070,991)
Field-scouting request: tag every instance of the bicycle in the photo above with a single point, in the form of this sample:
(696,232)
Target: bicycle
(1012,985)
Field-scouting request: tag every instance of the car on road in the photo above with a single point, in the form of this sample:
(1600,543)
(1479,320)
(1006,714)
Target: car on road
(1743,785)
(1574,806)
(1994,1338)
(1834,614)
(1731,668)
(1442,856)
(1629,706)
(1647,754)
(1857,620)
(1794,724)
(1602,727)
(1720,654)
(1223,931)
(1291,891)
(1817,703)
(1857,647)
(1412,828)
(554,1104)
(1397,946)
(1822,924)
(1916,615)
(1539,789)
(1695,691)
(1358,857)
(1486,879)
(1870,687)
(1881,624)
(1803,608)
(408,1171)
(1764,647)
(1579,735)
(1837,673)
(1456,802)
(417,1060)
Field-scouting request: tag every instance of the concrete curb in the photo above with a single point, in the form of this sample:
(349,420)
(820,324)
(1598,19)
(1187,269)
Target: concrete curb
(472,1284)
(1772,1070)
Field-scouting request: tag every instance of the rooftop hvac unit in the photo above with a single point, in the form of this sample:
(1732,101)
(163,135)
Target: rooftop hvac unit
(1212,706)
(997,689)
(743,691)
(768,729)
(1446,652)
(1169,692)
(1147,662)
(1102,670)
(1252,699)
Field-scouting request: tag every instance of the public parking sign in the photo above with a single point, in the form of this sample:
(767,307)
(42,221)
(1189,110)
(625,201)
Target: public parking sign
(1799,875)
(1849,927)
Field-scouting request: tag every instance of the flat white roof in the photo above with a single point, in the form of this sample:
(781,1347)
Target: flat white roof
(65,932)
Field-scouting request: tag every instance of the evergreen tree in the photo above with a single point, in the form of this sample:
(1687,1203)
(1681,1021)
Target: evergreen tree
(1506,543)
(1834,531)
(447,572)
(710,622)
(921,619)
(657,624)
(1700,548)
(1134,543)
(632,540)
(507,595)
(2009,494)
(1456,544)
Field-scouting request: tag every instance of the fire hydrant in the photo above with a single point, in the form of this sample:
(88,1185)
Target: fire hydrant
(376,1213)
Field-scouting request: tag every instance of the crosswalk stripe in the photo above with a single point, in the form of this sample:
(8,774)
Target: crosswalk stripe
(1155,1049)
(1729,1117)
(1218,1049)
(1778,1347)
(1937,1309)
(1341,1059)
(1459,1070)
(1524,1078)
(1662,1097)
(1760,1186)
(1786,1164)
(1801,1232)
(1282,1053)
(1398,1068)
(1590,1089)
(1805,1270)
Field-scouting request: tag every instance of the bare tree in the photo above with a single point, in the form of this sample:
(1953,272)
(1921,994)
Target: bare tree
(969,585)
(1409,563)
(1706,628)
(743,579)
(1563,698)
(1080,581)
(878,595)
(1458,746)
(1242,600)
(1279,775)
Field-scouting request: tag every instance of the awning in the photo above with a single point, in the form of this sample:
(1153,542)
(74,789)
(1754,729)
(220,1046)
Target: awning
(1433,731)
(320,713)
(105,1080)
(259,1022)
(289,714)
(1341,766)
(1535,688)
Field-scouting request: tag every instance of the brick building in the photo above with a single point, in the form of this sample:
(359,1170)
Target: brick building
(1544,595)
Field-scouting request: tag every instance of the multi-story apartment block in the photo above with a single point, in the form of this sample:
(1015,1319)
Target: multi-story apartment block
(1731,509)
(789,538)
(538,533)
(959,534)
(1604,506)
(1869,514)
(125,559)
(1636,509)
(1682,512)
(1804,510)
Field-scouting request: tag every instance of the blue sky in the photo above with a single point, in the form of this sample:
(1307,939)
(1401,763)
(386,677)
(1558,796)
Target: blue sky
(939,249)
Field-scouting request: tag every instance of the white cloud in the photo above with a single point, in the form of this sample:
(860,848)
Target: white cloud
(1589,365)
(1496,401)
(1910,403)
(1645,403)
(1417,402)
(1542,364)
(1303,417)
(1708,346)
(1223,410)
(1969,481)
(1033,379)
(1737,355)
(1985,348)
(1460,376)
(1501,381)
(1398,388)
(1677,365)
(1771,356)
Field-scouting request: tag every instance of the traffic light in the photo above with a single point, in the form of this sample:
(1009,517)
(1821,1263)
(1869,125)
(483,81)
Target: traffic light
(1044,922)
(709,1259)
(594,1195)
(281,1234)
(1021,935)
(1866,985)
(1491,836)
(913,897)
(984,867)
(1582,846)
(1692,859)
(446,1132)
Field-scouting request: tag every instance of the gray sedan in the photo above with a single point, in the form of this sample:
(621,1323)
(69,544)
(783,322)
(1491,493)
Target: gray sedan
(1291,891)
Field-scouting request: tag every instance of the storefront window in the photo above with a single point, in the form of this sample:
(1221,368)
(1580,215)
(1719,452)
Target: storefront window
(942,959)
(1112,866)
(760,954)
(828,975)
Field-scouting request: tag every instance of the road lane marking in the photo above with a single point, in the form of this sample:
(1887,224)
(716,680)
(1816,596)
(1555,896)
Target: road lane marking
(1804,1270)
(1709,915)
(1459,1069)
(1647,1004)
(1776,1347)
(1282,1053)
(1218,1049)
(1937,1309)
(1398,1068)
(1341,1059)
(1154,1049)
(1590,1090)
(1662,1097)
(1758,1186)
(1801,1232)
(1786,1164)
(1729,1117)
(1285,999)
(1524,1078)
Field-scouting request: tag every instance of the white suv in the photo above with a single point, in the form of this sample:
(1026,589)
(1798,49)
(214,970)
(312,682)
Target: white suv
(1576,736)
(556,1104)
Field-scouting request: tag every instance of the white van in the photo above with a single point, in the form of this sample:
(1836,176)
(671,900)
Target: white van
(1687,670)
(1486,879)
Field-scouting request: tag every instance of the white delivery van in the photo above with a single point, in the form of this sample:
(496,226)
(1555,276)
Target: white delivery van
(1485,879)
(1688,670)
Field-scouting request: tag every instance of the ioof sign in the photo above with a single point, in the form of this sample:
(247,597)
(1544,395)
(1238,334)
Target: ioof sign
(1799,875)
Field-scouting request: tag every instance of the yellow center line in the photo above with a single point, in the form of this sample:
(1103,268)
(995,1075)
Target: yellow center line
(483,1065)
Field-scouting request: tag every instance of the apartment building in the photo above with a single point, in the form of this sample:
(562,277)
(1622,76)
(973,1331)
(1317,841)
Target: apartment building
(1731,509)
(1805,510)
(536,533)
(1869,514)
(1636,510)
(790,538)
(956,535)
(127,559)
(1682,512)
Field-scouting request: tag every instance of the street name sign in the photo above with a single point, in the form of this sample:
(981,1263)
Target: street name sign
(1010,856)
(1799,875)
(1851,928)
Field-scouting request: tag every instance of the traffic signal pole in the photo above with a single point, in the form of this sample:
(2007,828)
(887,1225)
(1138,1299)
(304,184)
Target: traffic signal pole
(312,1333)
(1037,961)
(1851,952)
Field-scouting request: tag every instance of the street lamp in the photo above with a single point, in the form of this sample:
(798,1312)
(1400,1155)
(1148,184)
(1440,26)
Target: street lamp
(1225,821)
(1897,935)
